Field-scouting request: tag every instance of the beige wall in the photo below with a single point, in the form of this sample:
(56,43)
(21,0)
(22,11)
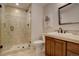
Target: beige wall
(37,21)
(17,18)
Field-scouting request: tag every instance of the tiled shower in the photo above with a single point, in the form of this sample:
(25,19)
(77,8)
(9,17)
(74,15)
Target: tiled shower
(14,28)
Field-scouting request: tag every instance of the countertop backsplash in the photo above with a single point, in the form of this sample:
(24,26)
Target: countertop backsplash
(75,32)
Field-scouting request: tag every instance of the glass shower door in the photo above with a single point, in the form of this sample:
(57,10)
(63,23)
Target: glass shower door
(14,28)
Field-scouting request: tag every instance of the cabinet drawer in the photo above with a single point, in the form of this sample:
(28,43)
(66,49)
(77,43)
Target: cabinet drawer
(73,47)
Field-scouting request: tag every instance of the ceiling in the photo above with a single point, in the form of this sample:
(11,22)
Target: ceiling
(24,6)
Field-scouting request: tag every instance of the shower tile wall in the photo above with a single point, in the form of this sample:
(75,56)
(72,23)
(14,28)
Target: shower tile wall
(0,27)
(18,19)
(0,22)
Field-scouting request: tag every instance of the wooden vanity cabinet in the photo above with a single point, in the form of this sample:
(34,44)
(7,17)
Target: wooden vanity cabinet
(58,47)
(54,47)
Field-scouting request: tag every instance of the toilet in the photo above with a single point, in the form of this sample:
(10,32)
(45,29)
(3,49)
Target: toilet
(39,45)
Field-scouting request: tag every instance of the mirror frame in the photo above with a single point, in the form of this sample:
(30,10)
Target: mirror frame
(59,15)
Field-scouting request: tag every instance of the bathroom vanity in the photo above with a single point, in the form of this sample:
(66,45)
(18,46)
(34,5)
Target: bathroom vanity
(57,44)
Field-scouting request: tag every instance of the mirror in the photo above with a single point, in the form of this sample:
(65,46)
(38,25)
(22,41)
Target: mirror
(69,14)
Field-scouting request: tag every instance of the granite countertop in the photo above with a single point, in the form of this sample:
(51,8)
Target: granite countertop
(64,36)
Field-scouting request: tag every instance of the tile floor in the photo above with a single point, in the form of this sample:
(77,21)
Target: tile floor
(24,52)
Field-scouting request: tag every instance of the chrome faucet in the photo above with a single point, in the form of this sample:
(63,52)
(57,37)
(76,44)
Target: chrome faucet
(60,30)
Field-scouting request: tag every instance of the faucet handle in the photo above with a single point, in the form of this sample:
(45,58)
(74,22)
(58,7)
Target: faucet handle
(64,31)
(60,30)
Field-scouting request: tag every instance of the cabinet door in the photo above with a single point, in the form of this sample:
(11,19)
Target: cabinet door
(72,49)
(70,53)
(47,46)
(60,48)
(52,47)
